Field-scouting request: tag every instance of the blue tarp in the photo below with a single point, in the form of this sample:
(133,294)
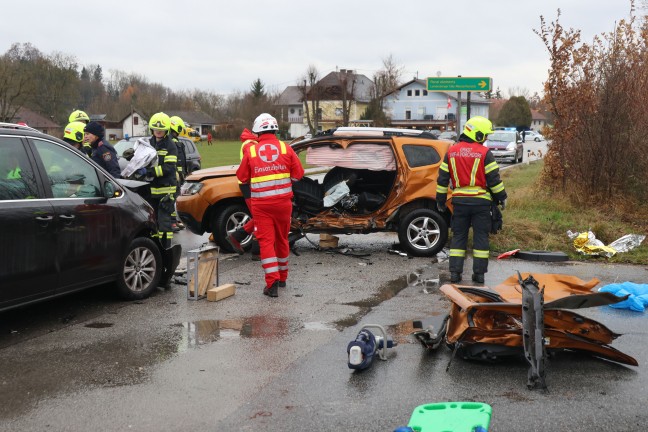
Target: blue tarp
(638,300)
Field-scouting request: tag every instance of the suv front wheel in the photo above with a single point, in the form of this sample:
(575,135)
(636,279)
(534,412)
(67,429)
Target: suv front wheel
(230,218)
(422,232)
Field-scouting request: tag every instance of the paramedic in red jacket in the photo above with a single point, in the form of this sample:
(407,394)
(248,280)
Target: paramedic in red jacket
(270,166)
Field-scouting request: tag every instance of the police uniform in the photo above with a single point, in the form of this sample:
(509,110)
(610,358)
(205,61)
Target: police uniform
(106,156)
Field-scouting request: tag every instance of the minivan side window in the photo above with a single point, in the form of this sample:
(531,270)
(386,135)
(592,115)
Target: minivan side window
(70,173)
(17,179)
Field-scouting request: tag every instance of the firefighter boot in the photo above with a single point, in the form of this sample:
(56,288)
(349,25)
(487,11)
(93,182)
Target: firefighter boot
(478,277)
(282,284)
(455,277)
(272,291)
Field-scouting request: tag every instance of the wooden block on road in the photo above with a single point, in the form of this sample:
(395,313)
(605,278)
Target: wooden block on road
(221,292)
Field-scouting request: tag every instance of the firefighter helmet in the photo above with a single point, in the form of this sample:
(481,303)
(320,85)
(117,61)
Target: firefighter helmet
(79,115)
(160,121)
(177,125)
(478,128)
(74,131)
(265,123)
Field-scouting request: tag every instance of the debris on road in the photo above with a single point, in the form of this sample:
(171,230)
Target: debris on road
(587,244)
(637,295)
(513,320)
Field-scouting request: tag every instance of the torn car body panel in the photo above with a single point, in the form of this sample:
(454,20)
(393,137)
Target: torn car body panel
(491,322)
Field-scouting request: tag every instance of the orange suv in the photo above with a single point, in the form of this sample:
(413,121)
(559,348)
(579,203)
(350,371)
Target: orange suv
(377,179)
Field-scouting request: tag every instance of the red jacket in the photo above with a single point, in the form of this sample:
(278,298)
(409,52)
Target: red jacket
(270,166)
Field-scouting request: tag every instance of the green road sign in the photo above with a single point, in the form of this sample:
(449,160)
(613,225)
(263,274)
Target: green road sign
(457,84)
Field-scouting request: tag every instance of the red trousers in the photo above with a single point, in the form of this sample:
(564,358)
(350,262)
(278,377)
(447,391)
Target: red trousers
(271,228)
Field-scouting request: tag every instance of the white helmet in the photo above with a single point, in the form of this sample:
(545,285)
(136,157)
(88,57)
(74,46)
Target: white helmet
(265,122)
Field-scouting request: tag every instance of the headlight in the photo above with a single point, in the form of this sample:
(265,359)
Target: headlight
(190,188)
(511,146)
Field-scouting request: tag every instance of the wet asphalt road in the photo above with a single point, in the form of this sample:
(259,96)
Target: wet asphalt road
(251,363)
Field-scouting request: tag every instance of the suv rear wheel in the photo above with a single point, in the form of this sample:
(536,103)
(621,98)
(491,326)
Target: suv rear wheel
(422,232)
(141,270)
(230,218)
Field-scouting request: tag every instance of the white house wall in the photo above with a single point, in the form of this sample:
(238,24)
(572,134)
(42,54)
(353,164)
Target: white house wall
(135,129)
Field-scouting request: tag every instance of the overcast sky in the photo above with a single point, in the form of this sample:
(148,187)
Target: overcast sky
(223,46)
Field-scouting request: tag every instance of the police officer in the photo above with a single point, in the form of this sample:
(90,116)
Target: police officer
(164,181)
(470,170)
(102,151)
(270,166)
(81,116)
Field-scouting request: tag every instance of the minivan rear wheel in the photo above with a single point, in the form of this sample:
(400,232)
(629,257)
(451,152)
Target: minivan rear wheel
(140,270)
(422,232)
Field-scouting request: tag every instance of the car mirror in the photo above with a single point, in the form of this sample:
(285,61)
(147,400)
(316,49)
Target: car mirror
(110,191)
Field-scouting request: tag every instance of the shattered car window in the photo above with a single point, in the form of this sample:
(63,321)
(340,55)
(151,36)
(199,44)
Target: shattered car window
(374,157)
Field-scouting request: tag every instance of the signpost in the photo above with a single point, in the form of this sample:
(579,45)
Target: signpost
(457,84)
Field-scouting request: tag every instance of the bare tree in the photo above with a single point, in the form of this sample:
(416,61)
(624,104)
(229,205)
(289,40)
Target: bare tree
(385,80)
(17,83)
(311,93)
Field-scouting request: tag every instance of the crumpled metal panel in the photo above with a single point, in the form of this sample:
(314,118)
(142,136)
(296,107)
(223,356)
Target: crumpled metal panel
(495,317)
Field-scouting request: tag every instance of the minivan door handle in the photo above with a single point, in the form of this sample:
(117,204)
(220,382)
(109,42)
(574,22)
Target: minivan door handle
(44,220)
(67,219)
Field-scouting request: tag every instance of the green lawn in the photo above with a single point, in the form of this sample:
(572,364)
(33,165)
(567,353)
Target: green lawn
(224,153)
(537,220)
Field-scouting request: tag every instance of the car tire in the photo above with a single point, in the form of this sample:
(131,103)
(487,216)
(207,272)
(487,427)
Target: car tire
(422,232)
(230,218)
(140,270)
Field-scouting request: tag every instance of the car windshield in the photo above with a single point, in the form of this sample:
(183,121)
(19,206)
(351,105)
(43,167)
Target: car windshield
(123,145)
(502,136)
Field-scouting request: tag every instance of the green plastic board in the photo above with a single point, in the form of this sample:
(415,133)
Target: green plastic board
(450,417)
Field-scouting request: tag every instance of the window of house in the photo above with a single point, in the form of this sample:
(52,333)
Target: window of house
(301,112)
(135,120)
(417,92)
(319,113)
(409,92)
(338,112)
(408,115)
(425,93)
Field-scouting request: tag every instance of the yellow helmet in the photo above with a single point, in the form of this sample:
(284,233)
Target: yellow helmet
(477,128)
(74,131)
(160,121)
(78,115)
(177,125)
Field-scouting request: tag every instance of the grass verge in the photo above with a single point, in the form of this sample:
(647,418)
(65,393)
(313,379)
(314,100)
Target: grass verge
(535,219)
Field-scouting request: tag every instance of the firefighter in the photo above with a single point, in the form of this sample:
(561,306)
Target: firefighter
(177,126)
(235,238)
(74,135)
(469,168)
(102,151)
(81,116)
(270,166)
(164,182)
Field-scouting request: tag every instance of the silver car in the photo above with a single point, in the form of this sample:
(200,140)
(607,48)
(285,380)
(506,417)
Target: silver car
(506,145)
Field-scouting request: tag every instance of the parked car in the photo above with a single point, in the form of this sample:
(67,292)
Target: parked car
(506,145)
(391,175)
(448,135)
(193,156)
(533,135)
(66,224)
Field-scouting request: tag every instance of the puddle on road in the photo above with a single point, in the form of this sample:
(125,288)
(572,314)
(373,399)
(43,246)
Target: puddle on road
(427,279)
(196,333)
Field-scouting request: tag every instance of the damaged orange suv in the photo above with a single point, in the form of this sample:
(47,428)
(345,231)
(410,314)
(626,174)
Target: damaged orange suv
(376,180)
